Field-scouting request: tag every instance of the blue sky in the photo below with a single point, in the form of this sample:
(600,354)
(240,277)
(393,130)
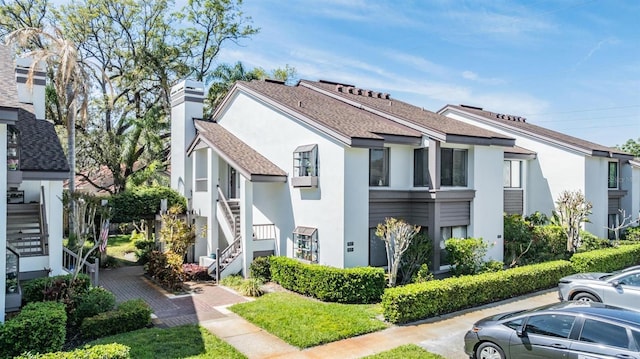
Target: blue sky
(572,66)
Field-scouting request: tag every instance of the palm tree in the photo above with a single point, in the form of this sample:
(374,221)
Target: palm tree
(224,76)
(70,79)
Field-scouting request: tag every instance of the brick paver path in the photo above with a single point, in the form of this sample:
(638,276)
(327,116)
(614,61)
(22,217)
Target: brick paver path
(202,304)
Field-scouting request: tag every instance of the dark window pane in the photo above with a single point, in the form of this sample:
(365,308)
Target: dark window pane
(603,333)
(420,167)
(553,325)
(377,250)
(613,175)
(379,167)
(446,167)
(459,168)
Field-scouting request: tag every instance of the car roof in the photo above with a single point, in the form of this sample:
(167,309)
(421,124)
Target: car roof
(592,309)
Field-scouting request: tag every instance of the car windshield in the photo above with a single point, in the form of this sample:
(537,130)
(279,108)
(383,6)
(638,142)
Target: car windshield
(609,275)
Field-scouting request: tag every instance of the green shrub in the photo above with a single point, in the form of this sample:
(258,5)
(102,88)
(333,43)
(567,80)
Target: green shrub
(550,243)
(143,202)
(417,255)
(466,255)
(103,351)
(590,242)
(261,268)
(232,281)
(607,259)
(424,300)
(130,315)
(39,327)
(251,287)
(422,275)
(352,285)
(54,288)
(518,237)
(492,266)
(631,234)
(166,269)
(97,300)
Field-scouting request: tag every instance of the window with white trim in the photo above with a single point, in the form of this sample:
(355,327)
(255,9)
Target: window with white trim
(512,174)
(305,244)
(305,166)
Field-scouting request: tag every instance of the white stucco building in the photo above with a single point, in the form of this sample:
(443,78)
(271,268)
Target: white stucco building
(554,162)
(308,171)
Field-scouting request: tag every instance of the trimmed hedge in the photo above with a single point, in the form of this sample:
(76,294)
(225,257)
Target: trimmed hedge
(39,327)
(97,300)
(352,285)
(143,202)
(104,351)
(130,315)
(607,259)
(423,300)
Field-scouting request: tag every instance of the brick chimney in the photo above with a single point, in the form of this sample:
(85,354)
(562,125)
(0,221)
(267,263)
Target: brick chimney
(186,104)
(31,93)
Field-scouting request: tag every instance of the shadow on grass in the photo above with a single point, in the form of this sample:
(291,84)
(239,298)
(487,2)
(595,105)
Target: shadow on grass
(187,341)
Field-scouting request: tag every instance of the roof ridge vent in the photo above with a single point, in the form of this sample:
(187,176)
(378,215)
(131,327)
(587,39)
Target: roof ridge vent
(472,107)
(274,81)
(511,117)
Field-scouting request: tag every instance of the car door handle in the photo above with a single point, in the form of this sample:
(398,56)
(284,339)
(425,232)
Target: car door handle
(559,346)
(624,356)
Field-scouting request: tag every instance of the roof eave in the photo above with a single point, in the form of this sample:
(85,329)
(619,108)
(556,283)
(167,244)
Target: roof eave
(8,115)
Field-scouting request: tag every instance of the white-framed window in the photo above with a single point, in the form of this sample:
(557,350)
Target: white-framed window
(305,244)
(379,167)
(305,166)
(447,233)
(613,175)
(453,167)
(421,167)
(512,174)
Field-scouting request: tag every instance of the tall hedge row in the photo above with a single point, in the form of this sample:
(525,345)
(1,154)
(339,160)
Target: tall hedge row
(351,285)
(607,259)
(143,202)
(423,300)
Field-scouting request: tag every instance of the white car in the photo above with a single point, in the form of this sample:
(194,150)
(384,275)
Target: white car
(620,289)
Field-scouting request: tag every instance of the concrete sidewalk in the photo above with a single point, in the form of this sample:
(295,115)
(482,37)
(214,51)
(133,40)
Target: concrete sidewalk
(208,302)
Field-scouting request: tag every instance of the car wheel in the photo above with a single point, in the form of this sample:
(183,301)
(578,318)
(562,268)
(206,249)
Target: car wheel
(585,297)
(488,350)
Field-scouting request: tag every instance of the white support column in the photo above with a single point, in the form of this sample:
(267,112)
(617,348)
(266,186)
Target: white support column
(55,209)
(3,215)
(213,241)
(246,223)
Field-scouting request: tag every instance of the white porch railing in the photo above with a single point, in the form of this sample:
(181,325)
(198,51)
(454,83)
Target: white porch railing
(228,214)
(70,260)
(263,232)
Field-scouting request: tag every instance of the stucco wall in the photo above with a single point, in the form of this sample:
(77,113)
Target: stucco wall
(356,207)
(596,192)
(323,208)
(485,171)
(3,213)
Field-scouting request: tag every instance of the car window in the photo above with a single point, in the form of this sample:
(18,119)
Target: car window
(631,279)
(514,324)
(594,331)
(636,337)
(553,325)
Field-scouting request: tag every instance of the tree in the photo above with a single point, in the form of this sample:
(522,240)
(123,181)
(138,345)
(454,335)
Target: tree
(70,81)
(225,76)
(572,210)
(397,235)
(211,23)
(632,146)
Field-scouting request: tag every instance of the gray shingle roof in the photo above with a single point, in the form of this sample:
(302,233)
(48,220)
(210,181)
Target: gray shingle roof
(344,119)
(415,115)
(40,149)
(245,158)
(520,123)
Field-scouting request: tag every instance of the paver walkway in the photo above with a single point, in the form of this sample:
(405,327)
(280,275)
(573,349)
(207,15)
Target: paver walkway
(207,306)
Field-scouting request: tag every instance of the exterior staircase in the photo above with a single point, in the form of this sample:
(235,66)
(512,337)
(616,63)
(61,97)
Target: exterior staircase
(228,260)
(27,229)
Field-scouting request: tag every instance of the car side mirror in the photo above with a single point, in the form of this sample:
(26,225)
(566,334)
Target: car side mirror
(520,331)
(616,283)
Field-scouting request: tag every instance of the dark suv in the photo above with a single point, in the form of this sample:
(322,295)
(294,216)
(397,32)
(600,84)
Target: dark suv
(561,330)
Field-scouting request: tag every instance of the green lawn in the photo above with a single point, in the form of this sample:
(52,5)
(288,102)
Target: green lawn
(188,341)
(119,246)
(305,322)
(410,351)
